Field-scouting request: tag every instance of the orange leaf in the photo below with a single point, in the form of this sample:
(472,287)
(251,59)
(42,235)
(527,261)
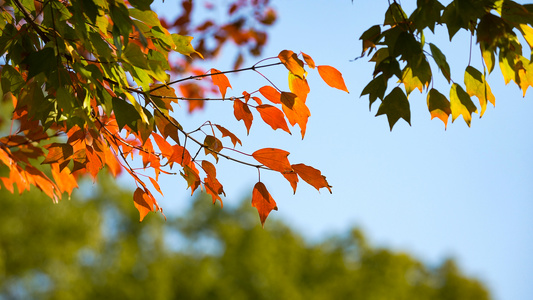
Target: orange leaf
(275,159)
(191,176)
(297,114)
(211,183)
(271,94)
(308,60)
(273,117)
(221,81)
(332,77)
(64,179)
(225,132)
(142,202)
(292,63)
(299,87)
(293,180)
(156,185)
(163,145)
(213,146)
(312,176)
(58,153)
(163,91)
(263,202)
(242,112)
(180,155)
(112,163)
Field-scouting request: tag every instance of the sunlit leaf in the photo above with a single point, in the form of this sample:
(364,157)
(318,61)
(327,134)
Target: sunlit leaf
(477,86)
(221,81)
(439,106)
(292,63)
(275,159)
(271,94)
(242,112)
(225,132)
(461,104)
(273,117)
(332,77)
(312,176)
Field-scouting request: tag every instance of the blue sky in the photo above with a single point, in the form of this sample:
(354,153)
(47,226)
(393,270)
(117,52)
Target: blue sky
(464,193)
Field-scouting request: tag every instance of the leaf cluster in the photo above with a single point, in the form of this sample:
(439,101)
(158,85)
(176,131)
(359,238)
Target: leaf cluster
(399,50)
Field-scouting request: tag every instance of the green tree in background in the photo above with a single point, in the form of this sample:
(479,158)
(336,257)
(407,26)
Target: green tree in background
(93,248)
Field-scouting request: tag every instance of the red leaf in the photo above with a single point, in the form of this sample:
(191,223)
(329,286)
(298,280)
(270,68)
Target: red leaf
(263,202)
(242,112)
(275,159)
(221,81)
(271,94)
(225,132)
(312,176)
(273,117)
(292,62)
(332,77)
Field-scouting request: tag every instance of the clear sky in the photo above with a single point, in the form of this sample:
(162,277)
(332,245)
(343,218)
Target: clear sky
(464,193)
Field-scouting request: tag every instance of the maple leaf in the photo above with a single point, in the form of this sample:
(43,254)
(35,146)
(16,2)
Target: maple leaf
(275,159)
(57,153)
(332,77)
(273,117)
(477,86)
(292,63)
(461,104)
(395,106)
(263,202)
(439,106)
(180,155)
(221,81)
(312,176)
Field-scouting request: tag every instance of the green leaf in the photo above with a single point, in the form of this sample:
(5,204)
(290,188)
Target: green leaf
(440,59)
(461,104)
(183,45)
(40,61)
(395,106)
(11,80)
(134,55)
(477,86)
(371,37)
(426,14)
(394,15)
(125,114)
(141,4)
(438,106)
(375,89)
(148,17)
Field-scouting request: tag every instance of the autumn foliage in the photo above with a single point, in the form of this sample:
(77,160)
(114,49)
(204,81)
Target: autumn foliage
(92,85)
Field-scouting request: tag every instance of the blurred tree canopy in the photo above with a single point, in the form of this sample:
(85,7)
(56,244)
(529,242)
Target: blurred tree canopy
(92,248)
